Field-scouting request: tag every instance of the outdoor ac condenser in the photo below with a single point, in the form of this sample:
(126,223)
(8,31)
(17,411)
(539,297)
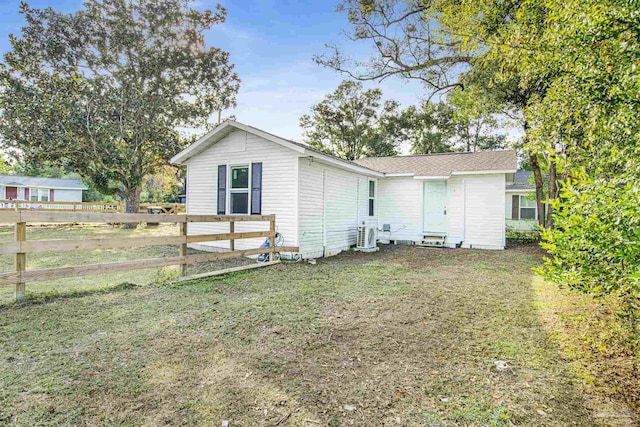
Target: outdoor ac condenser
(367,236)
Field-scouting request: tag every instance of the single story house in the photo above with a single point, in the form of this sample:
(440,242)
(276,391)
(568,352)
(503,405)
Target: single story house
(14,187)
(521,209)
(320,200)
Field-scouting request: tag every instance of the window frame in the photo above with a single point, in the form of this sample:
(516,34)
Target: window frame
(231,190)
(521,207)
(41,193)
(372,207)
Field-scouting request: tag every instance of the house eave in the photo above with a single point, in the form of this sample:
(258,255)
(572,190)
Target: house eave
(431,177)
(399,174)
(342,165)
(483,172)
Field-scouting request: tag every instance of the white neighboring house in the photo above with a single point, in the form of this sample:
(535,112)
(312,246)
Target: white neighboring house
(320,200)
(521,209)
(36,189)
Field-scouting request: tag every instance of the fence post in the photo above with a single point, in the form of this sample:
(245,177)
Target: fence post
(183,247)
(21,258)
(232,229)
(272,237)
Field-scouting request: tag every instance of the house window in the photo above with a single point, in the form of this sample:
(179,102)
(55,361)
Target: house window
(239,190)
(527,208)
(372,198)
(39,194)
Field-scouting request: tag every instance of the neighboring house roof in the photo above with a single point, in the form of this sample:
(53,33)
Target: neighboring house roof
(444,164)
(229,126)
(428,165)
(521,181)
(33,181)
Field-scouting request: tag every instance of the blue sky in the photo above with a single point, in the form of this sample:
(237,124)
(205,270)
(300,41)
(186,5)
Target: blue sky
(271,43)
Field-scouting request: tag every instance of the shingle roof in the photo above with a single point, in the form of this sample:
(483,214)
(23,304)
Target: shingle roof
(443,164)
(33,181)
(521,181)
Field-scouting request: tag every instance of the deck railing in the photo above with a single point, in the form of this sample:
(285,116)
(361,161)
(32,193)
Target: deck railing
(21,246)
(103,207)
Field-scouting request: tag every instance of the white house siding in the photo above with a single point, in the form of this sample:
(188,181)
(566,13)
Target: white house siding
(476,211)
(60,195)
(279,187)
(400,206)
(332,203)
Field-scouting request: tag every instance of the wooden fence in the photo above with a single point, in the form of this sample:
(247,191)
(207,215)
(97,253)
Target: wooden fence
(21,246)
(102,207)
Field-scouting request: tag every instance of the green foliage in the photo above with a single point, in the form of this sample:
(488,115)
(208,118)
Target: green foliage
(165,186)
(524,236)
(592,109)
(103,90)
(427,128)
(5,167)
(474,120)
(352,123)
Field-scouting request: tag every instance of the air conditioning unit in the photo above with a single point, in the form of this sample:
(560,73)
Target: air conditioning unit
(367,236)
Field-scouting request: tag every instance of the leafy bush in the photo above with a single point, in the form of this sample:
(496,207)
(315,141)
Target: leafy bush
(523,236)
(595,247)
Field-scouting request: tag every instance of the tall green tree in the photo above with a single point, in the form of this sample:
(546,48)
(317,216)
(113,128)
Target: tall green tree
(104,89)
(352,123)
(475,121)
(428,128)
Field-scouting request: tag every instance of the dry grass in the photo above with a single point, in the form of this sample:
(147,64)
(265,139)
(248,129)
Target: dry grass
(406,336)
(594,342)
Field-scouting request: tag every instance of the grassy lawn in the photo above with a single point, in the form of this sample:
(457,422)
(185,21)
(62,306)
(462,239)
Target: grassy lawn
(406,336)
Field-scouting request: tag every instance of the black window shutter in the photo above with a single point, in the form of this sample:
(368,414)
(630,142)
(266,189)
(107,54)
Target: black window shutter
(222,189)
(256,188)
(515,206)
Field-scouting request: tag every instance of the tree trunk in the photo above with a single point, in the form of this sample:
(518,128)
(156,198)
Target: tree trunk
(132,204)
(553,189)
(537,175)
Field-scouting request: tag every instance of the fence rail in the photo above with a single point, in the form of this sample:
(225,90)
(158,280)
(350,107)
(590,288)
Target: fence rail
(49,206)
(20,247)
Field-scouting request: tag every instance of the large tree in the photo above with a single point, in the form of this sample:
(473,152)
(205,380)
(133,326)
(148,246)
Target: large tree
(427,128)
(105,89)
(352,123)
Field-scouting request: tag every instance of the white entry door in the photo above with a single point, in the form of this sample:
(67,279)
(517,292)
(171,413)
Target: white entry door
(435,206)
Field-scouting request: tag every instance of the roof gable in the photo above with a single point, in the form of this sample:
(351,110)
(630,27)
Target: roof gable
(221,131)
(225,128)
